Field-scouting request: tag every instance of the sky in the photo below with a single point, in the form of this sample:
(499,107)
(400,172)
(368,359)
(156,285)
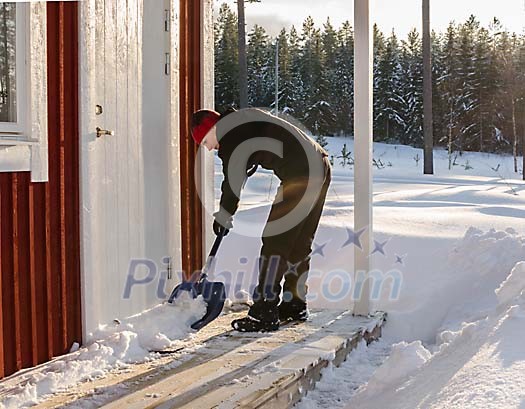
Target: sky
(402,15)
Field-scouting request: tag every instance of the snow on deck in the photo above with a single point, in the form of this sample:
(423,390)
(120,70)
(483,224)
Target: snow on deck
(236,369)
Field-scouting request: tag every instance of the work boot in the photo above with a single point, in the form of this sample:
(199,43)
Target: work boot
(294,310)
(262,317)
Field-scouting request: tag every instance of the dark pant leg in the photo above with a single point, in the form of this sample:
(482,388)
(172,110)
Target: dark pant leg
(276,249)
(295,280)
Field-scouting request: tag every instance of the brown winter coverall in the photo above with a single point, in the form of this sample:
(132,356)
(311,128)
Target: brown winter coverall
(293,246)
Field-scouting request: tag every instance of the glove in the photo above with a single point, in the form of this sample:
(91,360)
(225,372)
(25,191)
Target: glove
(219,226)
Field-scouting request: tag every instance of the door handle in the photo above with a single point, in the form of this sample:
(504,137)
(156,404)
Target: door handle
(102,132)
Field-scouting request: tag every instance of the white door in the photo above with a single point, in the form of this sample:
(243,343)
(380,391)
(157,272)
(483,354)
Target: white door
(124,193)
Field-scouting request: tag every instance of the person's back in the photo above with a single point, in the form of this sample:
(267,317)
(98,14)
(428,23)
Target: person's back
(262,130)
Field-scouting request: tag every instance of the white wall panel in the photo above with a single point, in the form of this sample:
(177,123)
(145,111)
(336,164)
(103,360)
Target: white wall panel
(125,183)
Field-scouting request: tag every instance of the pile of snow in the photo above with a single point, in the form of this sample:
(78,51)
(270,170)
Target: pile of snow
(474,305)
(404,359)
(459,288)
(131,341)
(480,365)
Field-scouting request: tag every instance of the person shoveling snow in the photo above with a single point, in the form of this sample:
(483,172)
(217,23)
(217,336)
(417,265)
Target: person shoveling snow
(249,138)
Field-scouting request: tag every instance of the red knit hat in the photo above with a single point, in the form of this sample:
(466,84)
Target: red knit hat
(202,121)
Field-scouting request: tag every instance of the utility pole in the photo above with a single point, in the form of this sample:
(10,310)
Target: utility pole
(277,77)
(523,132)
(428,130)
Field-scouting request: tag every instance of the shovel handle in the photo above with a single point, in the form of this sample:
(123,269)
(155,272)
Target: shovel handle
(213,252)
(217,242)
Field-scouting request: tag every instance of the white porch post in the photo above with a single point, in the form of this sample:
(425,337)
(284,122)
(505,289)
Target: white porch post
(363,134)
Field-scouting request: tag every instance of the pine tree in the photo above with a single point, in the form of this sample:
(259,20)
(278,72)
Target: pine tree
(318,114)
(330,75)
(448,86)
(388,117)
(412,90)
(344,88)
(379,49)
(483,88)
(295,101)
(438,104)
(226,69)
(260,74)
(467,85)
(496,103)
(507,54)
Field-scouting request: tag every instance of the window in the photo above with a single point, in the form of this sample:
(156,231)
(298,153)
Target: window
(23,89)
(13,72)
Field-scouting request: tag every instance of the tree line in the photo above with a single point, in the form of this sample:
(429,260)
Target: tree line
(478,76)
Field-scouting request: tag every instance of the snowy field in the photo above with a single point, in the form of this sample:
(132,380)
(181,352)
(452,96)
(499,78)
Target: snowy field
(451,246)
(453,238)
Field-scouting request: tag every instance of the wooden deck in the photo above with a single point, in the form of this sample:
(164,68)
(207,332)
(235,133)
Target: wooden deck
(220,368)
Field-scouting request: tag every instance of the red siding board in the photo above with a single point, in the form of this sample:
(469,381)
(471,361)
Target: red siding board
(2,366)
(40,314)
(190,101)
(23,315)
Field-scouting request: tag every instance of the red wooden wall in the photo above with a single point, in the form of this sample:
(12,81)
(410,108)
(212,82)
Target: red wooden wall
(40,294)
(190,101)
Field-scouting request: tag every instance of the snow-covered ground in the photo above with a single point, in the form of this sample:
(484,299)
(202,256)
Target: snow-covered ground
(448,242)
(454,336)
(451,240)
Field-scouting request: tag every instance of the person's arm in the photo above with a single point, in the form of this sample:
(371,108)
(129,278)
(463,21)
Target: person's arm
(230,195)
(229,198)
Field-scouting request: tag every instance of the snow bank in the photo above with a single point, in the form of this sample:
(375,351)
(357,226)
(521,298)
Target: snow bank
(457,287)
(480,365)
(474,312)
(115,346)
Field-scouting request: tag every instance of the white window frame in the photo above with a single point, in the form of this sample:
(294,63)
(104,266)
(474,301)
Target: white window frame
(23,145)
(18,129)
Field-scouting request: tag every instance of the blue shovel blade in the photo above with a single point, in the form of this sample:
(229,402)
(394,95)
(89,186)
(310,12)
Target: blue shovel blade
(213,293)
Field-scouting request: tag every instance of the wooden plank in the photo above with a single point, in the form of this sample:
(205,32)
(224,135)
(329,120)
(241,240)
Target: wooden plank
(21,183)
(135,133)
(71,228)
(62,178)
(235,370)
(2,310)
(190,100)
(8,308)
(214,375)
(94,163)
(281,381)
(37,234)
(112,306)
(147,372)
(16,272)
(53,216)
(33,254)
(122,161)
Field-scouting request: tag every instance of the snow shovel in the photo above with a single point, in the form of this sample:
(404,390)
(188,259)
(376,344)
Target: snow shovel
(214,293)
